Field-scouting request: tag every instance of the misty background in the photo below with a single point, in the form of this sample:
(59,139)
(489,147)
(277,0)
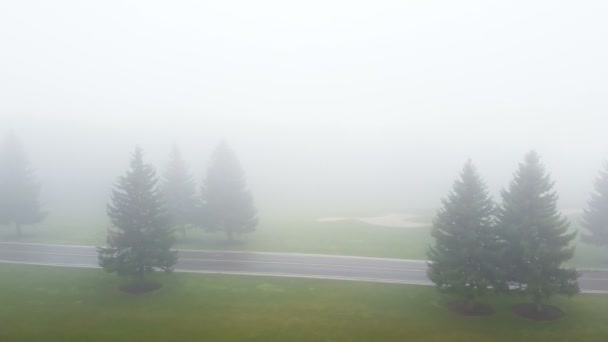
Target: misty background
(331,106)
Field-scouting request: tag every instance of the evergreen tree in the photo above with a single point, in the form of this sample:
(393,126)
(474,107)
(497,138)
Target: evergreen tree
(179,194)
(463,258)
(227,203)
(19,190)
(535,236)
(140,240)
(595,217)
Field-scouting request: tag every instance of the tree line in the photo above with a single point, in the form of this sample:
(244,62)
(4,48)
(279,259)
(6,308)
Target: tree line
(518,246)
(222,204)
(19,189)
(144,212)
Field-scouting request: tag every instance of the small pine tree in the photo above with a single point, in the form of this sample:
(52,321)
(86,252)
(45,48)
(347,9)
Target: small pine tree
(227,203)
(535,236)
(179,194)
(595,217)
(140,240)
(19,190)
(463,258)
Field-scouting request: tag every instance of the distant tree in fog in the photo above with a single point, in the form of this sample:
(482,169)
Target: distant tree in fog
(140,239)
(19,190)
(179,193)
(535,237)
(463,258)
(595,217)
(227,203)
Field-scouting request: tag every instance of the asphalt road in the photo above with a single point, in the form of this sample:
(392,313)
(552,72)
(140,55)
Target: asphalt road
(271,264)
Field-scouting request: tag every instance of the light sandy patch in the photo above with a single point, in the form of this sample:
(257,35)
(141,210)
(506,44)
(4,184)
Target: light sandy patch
(390,220)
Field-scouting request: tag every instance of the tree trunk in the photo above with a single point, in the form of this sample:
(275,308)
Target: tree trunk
(230,237)
(183,232)
(139,277)
(470,303)
(18,227)
(538,301)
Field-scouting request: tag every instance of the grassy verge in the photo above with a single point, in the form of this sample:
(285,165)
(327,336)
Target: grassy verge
(308,236)
(60,304)
(293,234)
(296,234)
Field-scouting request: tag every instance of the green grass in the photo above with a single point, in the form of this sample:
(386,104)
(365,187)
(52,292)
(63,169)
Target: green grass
(293,234)
(587,255)
(61,230)
(60,304)
(309,236)
(590,256)
(296,234)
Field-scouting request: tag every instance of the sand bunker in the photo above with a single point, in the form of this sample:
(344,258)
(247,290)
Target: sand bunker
(390,220)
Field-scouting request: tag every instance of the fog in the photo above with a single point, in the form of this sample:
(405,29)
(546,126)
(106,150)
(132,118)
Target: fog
(330,105)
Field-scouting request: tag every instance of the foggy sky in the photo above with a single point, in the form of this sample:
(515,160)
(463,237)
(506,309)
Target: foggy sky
(327,103)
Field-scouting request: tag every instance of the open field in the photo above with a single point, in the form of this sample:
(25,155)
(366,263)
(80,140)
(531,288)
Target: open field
(295,234)
(61,304)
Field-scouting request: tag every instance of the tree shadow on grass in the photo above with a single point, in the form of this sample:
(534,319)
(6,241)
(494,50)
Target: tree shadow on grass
(140,288)
(529,311)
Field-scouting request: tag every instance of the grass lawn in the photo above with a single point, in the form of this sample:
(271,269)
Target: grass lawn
(308,236)
(60,304)
(297,234)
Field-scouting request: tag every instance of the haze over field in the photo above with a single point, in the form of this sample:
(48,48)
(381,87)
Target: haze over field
(387,170)
(332,104)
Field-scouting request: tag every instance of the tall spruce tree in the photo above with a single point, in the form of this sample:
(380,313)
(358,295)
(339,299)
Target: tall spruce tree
(179,193)
(140,240)
(19,190)
(595,217)
(535,237)
(463,258)
(227,203)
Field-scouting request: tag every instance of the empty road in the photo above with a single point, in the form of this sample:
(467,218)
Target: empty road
(257,263)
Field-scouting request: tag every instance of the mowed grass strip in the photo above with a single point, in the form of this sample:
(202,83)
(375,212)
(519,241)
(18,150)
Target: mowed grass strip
(295,235)
(291,235)
(61,304)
